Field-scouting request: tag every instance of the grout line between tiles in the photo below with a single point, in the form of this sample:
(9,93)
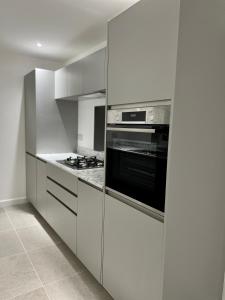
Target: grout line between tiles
(27,255)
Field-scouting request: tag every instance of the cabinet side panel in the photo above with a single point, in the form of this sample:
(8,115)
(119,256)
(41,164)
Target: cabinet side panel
(195,206)
(30,112)
(56,120)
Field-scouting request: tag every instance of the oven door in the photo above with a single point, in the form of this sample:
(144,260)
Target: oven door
(137,162)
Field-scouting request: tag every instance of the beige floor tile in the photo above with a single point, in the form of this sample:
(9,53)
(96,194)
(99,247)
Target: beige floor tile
(35,237)
(35,295)
(9,243)
(22,215)
(71,258)
(94,290)
(75,289)
(50,264)
(17,276)
(4,221)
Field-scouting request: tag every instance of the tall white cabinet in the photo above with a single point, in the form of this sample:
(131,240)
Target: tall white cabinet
(50,126)
(142,52)
(133,245)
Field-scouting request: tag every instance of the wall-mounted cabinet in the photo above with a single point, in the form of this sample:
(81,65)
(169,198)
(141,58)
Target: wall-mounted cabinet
(142,49)
(50,126)
(83,77)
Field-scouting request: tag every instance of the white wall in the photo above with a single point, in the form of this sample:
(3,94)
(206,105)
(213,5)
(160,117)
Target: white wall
(86,110)
(13,67)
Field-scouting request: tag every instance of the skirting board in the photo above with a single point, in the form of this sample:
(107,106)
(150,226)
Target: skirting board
(14,201)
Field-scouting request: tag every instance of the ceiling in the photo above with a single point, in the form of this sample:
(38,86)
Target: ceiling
(65,28)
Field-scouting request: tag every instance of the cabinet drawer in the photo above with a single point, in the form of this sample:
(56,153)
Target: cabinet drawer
(64,178)
(62,220)
(66,197)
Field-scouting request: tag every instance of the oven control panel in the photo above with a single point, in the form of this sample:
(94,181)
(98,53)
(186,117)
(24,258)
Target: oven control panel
(143,115)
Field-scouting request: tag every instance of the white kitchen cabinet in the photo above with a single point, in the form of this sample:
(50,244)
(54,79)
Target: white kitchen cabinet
(93,72)
(142,52)
(61,87)
(89,228)
(50,125)
(62,220)
(82,77)
(133,245)
(66,197)
(31,187)
(62,177)
(41,187)
(74,79)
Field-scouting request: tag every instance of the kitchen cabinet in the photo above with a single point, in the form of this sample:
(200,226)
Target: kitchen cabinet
(61,83)
(31,187)
(62,177)
(93,72)
(82,77)
(142,52)
(133,245)
(41,187)
(89,228)
(62,220)
(74,79)
(49,125)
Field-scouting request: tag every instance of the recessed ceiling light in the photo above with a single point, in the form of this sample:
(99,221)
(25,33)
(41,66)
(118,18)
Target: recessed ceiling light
(39,45)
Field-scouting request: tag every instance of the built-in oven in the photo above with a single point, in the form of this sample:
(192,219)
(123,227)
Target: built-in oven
(136,154)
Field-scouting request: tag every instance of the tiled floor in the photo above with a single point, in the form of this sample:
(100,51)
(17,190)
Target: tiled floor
(36,265)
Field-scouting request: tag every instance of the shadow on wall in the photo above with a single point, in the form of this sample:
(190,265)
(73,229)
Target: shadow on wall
(68,111)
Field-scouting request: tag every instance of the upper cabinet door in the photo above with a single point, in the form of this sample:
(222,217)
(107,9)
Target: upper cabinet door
(61,89)
(142,51)
(74,79)
(93,72)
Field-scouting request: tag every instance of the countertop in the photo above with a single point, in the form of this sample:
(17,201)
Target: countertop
(93,176)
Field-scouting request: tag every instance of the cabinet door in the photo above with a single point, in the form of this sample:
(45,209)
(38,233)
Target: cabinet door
(133,241)
(62,220)
(74,79)
(61,86)
(41,187)
(89,228)
(93,72)
(31,179)
(30,112)
(142,50)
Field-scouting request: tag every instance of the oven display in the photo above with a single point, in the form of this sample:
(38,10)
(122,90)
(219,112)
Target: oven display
(134,116)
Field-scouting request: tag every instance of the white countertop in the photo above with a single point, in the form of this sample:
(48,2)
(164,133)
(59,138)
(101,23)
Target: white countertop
(93,176)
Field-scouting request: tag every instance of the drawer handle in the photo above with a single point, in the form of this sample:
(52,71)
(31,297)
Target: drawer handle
(63,187)
(57,199)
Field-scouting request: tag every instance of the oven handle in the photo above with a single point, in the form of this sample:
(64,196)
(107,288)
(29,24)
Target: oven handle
(140,130)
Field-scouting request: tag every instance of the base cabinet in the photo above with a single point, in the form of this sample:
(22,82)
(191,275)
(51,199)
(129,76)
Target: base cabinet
(89,228)
(133,242)
(41,188)
(62,220)
(31,179)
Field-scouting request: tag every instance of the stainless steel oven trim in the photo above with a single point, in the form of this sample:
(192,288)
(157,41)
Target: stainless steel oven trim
(148,210)
(138,130)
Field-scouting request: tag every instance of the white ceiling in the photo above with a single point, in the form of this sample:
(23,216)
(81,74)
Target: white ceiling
(66,28)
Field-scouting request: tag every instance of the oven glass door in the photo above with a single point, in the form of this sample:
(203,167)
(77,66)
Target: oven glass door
(137,162)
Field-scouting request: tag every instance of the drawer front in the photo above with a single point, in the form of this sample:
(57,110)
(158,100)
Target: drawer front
(63,221)
(66,197)
(64,178)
